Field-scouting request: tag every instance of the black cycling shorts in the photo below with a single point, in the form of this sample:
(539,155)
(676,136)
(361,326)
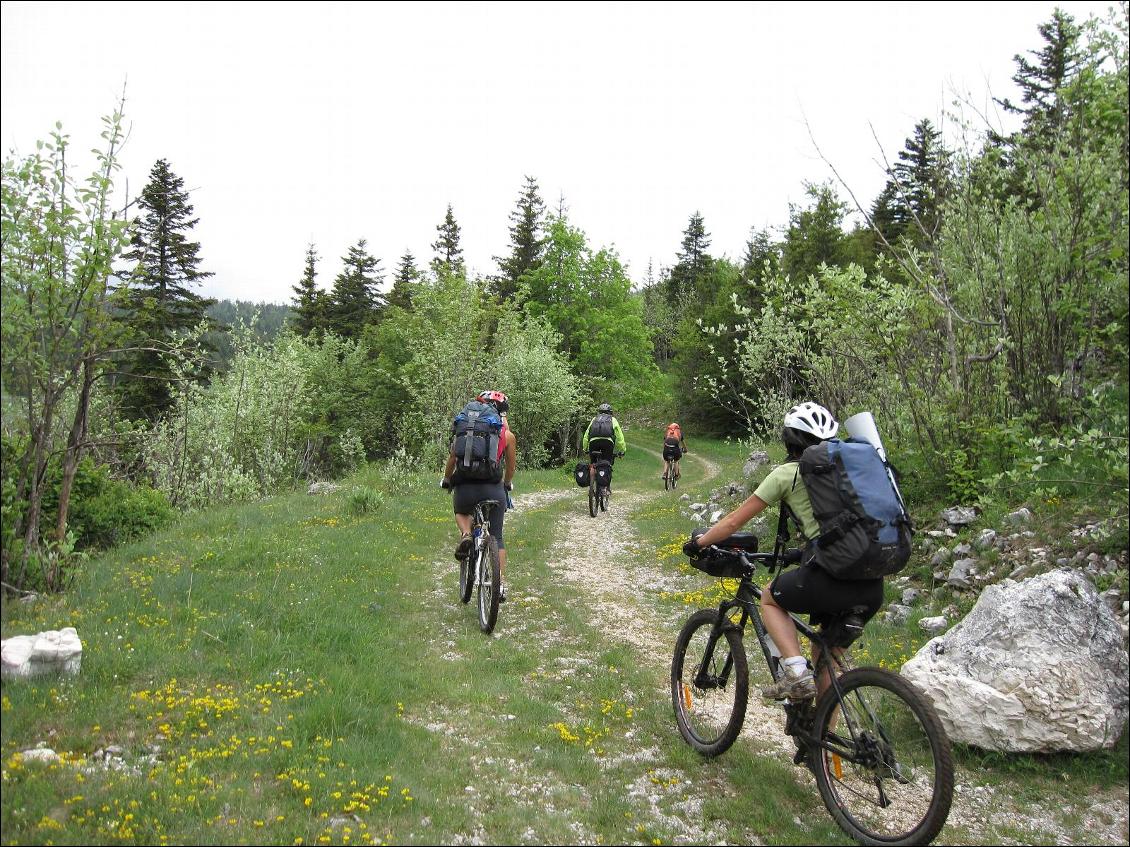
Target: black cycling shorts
(811,589)
(467,494)
(672,451)
(602,451)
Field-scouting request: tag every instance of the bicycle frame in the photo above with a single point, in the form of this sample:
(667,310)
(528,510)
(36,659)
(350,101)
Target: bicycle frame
(748,600)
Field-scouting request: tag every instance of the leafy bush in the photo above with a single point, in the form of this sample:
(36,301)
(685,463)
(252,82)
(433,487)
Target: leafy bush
(103,511)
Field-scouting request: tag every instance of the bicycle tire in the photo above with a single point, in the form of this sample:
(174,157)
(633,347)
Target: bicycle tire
(592,500)
(710,717)
(666,477)
(675,477)
(604,500)
(490,577)
(467,568)
(897,786)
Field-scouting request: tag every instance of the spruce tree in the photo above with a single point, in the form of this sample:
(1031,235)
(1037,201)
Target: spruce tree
(694,261)
(1041,82)
(449,255)
(164,269)
(404,282)
(527,243)
(356,300)
(910,205)
(309,305)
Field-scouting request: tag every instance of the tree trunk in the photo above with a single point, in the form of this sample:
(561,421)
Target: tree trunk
(75,442)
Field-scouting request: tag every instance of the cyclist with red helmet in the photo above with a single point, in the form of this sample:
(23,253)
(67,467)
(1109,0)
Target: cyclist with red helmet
(469,492)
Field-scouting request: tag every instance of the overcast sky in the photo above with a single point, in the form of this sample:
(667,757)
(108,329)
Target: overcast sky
(294,123)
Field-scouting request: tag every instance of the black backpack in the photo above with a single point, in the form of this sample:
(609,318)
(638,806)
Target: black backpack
(477,444)
(601,427)
(864,528)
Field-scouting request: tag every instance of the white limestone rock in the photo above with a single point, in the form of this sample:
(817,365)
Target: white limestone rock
(53,651)
(1036,666)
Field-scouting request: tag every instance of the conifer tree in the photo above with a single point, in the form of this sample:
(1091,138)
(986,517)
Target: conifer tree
(911,202)
(309,302)
(527,243)
(1041,82)
(449,255)
(164,269)
(356,300)
(405,280)
(694,260)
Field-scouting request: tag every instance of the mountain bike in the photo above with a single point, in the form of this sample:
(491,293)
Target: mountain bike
(599,491)
(481,566)
(670,474)
(873,741)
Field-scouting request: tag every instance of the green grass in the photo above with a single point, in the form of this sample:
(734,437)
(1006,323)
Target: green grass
(299,670)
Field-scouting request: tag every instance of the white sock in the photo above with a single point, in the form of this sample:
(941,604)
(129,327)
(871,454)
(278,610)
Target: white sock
(795,666)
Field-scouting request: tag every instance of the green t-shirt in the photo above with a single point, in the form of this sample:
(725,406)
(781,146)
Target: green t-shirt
(784,483)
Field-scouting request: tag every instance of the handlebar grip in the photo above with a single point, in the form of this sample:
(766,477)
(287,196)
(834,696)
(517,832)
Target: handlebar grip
(791,557)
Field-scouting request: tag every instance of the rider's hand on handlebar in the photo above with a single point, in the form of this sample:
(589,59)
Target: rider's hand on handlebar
(619,455)
(509,486)
(445,483)
(691,549)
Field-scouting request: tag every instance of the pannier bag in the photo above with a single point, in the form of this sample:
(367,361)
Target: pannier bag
(864,528)
(601,427)
(477,444)
(581,474)
(603,474)
(672,450)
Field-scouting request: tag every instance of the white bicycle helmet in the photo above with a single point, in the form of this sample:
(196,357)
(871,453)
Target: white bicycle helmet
(812,418)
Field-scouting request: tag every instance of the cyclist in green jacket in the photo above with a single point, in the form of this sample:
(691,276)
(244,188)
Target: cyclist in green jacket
(604,439)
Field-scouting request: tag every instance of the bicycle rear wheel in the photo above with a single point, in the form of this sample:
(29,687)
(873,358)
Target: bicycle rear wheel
(490,577)
(467,575)
(604,499)
(592,500)
(667,481)
(883,766)
(709,684)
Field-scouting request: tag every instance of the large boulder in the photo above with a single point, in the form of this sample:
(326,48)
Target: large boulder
(1036,666)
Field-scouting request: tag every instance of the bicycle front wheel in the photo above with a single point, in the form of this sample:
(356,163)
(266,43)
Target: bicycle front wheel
(709,684)
(490,577)
(883,764)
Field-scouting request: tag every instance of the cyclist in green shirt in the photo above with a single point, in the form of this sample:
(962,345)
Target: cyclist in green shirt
(808,588)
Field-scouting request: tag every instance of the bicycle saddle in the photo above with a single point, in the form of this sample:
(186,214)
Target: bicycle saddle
(488,504)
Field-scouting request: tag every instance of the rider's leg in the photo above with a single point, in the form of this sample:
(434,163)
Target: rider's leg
(781,627)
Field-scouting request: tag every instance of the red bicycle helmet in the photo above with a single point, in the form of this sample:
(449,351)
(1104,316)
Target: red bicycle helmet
(496,398)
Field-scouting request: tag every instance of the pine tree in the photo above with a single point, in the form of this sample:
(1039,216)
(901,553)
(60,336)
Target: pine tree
(1041,82)
(815,235)
(449,255)
(694,261)
(911,202)
(160,300)
(527,243)
(405,280)
(309,305)
(356,300)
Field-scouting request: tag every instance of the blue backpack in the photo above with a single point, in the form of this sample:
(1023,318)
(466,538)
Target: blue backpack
(865,530)
(477,444)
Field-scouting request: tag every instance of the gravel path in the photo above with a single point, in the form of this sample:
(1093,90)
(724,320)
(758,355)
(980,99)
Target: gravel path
(599,559)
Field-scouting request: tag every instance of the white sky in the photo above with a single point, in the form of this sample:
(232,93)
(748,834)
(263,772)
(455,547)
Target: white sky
(329,122)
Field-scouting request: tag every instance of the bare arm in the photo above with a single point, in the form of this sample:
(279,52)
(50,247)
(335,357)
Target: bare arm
(449,469)
(731,523)
(511,457)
